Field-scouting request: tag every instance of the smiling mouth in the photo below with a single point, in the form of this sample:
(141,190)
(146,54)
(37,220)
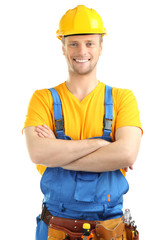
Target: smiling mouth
(81,60)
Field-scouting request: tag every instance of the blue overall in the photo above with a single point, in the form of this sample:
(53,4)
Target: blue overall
(77,194)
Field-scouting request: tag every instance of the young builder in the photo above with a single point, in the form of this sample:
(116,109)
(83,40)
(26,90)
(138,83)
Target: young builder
(83,136)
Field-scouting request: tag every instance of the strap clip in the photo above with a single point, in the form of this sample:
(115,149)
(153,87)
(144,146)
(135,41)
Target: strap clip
(107,124)
(59,124)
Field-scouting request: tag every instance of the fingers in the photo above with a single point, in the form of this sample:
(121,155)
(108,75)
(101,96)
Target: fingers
(44,131)
(126,168)
(41,132)
(40,135)
(46,128)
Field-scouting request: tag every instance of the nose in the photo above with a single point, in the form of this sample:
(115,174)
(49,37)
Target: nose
(82,50)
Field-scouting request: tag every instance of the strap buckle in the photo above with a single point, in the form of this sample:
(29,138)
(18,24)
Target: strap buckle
(59,124)
(107,124)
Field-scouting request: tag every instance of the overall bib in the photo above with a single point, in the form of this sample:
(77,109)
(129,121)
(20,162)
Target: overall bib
(77,194)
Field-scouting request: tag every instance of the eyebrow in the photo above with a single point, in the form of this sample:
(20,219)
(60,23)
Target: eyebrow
(70,41)
(74,41)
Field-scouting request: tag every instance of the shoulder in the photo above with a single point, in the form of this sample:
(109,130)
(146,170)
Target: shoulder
(45,94)
(125,108)
(41,96)
(121,96)
(122,92)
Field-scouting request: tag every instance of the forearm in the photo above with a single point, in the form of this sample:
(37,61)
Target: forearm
(120,154)
(53,152)
(107,158)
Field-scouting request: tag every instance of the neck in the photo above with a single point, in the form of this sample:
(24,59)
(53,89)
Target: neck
(81,85)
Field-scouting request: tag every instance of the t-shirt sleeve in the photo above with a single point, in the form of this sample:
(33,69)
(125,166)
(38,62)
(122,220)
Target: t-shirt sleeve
(127,112)
(40,109)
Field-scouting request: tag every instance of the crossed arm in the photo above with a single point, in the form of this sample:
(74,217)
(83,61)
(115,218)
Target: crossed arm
(95,155)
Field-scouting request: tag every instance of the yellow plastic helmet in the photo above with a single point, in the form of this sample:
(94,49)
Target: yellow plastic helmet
(80,20)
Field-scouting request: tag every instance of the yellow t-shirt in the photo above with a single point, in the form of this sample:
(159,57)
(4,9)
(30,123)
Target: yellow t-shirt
(83,119)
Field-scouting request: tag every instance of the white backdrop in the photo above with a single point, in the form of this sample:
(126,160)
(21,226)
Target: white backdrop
(31,59)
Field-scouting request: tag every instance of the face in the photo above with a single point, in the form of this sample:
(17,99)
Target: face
(82,52)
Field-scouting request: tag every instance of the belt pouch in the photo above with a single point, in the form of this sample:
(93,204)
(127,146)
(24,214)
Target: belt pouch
(103,232)
(60,233)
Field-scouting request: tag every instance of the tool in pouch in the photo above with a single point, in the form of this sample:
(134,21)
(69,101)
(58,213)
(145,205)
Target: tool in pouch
(130,226)
(86,232)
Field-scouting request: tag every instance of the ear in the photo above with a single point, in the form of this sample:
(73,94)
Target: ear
(101,48)
(63,49)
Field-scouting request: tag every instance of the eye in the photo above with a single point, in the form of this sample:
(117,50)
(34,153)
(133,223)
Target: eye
(73,44)
(90,44)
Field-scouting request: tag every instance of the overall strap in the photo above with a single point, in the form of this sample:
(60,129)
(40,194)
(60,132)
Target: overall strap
(57,106)
(108,113)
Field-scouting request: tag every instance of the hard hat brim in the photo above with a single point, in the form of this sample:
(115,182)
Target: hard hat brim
(59,36)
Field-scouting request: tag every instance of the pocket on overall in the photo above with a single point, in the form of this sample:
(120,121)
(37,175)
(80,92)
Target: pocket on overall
(86,185)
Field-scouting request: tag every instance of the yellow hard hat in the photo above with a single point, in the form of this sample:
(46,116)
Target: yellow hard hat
(80,20)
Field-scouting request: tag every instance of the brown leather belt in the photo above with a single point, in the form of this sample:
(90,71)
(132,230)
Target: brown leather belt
(73,225)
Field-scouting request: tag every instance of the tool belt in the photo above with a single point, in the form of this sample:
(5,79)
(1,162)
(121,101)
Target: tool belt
(71,229)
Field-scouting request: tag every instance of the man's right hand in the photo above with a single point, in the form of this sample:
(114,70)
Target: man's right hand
(45,132)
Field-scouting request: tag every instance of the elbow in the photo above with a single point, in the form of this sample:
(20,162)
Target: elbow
(39,157)
(35,160)
(36,157)
(132,153)
(130,157)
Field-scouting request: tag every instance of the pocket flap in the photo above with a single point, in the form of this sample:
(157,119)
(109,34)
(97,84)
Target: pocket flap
(86,184)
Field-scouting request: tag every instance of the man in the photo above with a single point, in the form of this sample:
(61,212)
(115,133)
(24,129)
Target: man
(83,180)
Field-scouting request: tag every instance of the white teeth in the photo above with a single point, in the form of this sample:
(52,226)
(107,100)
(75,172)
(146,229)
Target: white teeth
(81,61)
